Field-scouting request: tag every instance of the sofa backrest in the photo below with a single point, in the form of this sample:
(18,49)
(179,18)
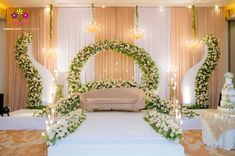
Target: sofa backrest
(115,92)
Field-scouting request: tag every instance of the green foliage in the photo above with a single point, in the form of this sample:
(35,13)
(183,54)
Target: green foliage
(204,73)
(31,73)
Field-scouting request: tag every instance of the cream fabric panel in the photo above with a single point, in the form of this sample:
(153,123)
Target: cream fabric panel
(115,24)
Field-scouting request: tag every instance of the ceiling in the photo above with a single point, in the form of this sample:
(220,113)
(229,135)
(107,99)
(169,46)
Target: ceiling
(81,3)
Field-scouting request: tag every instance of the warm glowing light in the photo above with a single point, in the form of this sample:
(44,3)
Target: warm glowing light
(194,43)
(103,6)
(161,8)
(92,27)
(216,7)
(137,33)
(190,6)
(49,52)
(47,9)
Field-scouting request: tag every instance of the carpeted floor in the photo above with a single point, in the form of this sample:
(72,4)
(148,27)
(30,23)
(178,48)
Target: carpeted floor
(29,143)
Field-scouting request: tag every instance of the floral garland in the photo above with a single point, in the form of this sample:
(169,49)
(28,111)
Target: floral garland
(63,106)
(150,73)
(164,125)
(154,102)
(203,75)
(96,85)
(31,73)
(63,126)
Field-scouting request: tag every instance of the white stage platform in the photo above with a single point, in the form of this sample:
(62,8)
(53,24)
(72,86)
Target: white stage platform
(24,120)
(115,134)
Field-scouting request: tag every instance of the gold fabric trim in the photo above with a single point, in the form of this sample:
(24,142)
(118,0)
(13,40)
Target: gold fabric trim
(218,122)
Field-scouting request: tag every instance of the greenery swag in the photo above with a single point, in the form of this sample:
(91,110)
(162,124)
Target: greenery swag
(204,73)
(31,73)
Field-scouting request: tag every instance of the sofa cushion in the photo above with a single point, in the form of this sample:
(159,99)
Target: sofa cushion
(111,100)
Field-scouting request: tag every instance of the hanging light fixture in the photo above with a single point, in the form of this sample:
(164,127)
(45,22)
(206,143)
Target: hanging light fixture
(93,26)
(50,52)
(137,33)
(194,43)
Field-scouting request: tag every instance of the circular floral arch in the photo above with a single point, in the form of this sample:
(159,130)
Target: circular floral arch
(150,73)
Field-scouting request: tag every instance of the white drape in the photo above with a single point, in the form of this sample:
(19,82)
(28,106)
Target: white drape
(156,41)
(73,37)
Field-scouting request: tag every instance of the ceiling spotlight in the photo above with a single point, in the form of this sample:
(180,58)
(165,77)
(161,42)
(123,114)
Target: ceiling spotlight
(190,6)
(103,6)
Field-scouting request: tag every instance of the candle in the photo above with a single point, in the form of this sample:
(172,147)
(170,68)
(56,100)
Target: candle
(53,112)
(176,101)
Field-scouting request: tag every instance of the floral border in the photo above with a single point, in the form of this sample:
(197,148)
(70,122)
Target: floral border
(31,73)
(164,125)
(204,73)
(63,126)
(150,72)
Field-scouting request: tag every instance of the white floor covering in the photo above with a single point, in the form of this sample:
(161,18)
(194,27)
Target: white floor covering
(22,119)
(115,134)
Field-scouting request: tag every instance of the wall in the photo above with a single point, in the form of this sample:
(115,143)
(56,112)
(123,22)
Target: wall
(3,63)
(232,46)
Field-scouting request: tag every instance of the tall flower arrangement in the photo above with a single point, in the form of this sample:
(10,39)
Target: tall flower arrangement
(204,73)
(31,73)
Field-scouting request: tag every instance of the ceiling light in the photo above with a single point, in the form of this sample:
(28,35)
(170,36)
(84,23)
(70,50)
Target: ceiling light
(161,8)
(216,7)
(92,26)
(137,33)
(190,6)
(103,6)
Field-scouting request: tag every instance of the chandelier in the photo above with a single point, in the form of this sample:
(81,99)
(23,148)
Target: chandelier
(137,33)
(50,51)
(194,43)
(93,26)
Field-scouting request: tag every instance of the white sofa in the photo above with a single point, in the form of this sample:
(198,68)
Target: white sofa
(124,99)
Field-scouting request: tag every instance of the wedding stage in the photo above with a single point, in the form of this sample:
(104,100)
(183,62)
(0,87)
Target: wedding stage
(115,133)
(23,119)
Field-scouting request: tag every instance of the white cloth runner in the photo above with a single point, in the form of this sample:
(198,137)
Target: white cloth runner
(115,133)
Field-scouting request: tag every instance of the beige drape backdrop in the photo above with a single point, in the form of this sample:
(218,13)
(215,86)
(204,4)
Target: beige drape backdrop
(38,19)
(115,24)
(209,20)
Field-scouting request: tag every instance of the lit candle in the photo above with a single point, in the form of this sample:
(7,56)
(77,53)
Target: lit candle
(53,112)
(176,101)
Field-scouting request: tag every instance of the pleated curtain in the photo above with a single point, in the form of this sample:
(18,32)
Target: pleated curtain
(72,38)
(156,42)
(115,24)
